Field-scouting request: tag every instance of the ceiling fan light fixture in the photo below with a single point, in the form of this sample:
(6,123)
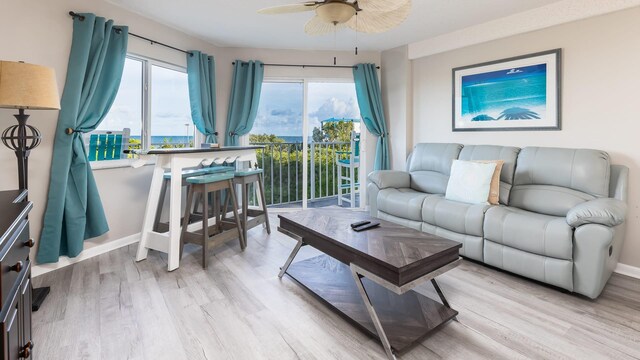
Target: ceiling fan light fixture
(336,12)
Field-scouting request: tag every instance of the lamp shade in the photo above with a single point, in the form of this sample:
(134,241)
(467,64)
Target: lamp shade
(28,86)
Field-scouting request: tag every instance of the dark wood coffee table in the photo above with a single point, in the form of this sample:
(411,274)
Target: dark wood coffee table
(368,277)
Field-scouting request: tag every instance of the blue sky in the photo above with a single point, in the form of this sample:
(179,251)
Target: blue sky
(170,110)
(281,106)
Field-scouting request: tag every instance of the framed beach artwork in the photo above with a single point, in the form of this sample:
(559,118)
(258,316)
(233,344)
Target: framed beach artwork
(520,93)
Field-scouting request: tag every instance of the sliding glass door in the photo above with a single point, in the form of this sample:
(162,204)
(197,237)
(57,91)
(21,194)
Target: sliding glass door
(279,128)
(334,126)
(307,129)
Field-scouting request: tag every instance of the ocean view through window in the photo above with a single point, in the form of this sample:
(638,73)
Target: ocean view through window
(151,110)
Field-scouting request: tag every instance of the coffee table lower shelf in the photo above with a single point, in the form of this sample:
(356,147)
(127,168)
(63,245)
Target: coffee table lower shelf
(406,319)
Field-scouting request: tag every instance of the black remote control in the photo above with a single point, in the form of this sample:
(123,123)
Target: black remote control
(359,223)
(366,226)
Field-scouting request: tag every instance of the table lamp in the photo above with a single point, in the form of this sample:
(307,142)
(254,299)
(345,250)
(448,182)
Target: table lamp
(25,86)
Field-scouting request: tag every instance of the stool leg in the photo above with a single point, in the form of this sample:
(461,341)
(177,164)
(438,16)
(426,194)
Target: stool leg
(243,243)
(185,220)
(226,206)
(216,210)
(205,226)
(163,193)
(245,210)
(264,204)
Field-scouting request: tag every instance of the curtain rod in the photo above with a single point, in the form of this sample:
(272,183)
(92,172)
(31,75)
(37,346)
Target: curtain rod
(153,42)
(312,66)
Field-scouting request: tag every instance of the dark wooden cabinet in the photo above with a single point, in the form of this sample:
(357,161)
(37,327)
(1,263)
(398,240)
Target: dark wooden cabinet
(15,276)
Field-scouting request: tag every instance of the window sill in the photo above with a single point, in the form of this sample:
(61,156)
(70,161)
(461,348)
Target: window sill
(116,164)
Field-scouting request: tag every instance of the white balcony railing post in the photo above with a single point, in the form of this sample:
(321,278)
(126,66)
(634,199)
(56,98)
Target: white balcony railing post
(312,165)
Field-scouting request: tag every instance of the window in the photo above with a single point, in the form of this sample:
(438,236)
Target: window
(171,124)
(307,129)
(151,110)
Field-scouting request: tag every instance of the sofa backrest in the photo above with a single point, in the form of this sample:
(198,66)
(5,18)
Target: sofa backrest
(430,166)
(509,154)
(553,180)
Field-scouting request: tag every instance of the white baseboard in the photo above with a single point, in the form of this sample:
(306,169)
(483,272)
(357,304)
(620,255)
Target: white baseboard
(628,270)
(38,270)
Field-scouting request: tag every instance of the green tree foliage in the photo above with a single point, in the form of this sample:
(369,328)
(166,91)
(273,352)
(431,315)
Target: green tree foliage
(333,131)
(318,135)
(264,139)
(282,164)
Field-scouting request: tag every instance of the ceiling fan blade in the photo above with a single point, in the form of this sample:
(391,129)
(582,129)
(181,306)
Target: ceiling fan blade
(286,9)
(317,26)
(377,22)
(381,5)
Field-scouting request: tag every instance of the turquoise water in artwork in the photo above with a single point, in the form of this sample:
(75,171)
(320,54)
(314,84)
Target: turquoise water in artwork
(510,94)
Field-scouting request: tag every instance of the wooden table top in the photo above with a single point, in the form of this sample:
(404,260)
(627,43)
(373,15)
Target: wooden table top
(395,252)
(190,150)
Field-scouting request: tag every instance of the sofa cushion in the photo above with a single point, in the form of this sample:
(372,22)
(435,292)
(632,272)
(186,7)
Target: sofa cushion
(430,166)
(508,154)
(472,246)
(470,182)
(546,199)
(531,232)
(454,216)
(557,272)
(404,203)
(494,190)
(553,180)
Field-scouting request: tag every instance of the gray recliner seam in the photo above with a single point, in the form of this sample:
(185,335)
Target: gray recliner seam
(573,161)
(544,239)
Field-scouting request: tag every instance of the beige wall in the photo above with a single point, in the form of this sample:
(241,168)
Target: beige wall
(600,95)
(397,101)
(45,38)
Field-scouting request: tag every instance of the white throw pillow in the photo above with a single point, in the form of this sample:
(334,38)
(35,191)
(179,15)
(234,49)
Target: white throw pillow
(470,182)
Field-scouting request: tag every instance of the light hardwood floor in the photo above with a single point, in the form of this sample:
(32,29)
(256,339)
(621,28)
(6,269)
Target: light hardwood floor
(111,307)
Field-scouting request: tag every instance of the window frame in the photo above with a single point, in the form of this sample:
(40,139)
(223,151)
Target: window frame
(145,116)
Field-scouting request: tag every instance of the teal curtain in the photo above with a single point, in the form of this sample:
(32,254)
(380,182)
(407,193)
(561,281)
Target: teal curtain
(74,211)
(370,103)
(201,71)
(245,96)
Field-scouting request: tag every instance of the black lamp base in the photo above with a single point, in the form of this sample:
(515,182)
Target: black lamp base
(39,294)
(22,138)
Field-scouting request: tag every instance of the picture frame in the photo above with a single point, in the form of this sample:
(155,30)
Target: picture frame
(518,93)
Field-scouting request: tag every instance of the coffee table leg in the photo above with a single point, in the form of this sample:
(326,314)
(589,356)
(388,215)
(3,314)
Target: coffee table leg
(372,312)
(294,252)
(441,295)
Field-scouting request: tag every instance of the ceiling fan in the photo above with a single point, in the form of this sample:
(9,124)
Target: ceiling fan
(368,16)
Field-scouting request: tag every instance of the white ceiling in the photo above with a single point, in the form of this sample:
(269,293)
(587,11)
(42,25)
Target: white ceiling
(235,23)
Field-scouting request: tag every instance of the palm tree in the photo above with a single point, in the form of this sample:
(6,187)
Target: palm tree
(483,117)
(518,113)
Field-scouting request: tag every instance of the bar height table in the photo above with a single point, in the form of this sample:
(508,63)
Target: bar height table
(176,160)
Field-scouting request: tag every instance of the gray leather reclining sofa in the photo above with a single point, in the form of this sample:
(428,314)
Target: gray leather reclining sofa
(560,219)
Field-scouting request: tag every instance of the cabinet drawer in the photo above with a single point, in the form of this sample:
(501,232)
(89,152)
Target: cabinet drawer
(14,259)
(9,325)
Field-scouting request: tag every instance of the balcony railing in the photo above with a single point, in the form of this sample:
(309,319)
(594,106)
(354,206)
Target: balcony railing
(282,164)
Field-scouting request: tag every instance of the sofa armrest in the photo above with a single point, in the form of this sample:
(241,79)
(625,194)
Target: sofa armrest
(604,211)
(390,179)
